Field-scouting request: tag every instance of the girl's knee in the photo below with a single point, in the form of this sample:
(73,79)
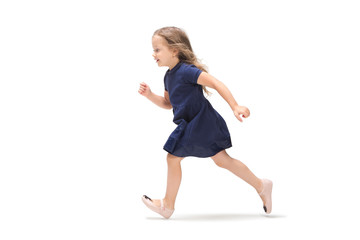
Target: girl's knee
(221,159)
(219,163)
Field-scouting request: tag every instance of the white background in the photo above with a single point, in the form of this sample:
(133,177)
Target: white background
(79,146)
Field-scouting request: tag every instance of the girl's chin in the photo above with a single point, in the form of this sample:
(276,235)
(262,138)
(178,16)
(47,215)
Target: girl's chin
(162,65)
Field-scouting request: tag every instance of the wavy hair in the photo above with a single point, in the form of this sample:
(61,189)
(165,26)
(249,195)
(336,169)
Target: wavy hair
(177,39)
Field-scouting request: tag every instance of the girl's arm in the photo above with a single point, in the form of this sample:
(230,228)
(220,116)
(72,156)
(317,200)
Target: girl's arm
(207,80)
(163,102)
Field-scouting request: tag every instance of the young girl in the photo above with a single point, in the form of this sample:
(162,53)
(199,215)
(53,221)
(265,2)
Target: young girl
(201,131)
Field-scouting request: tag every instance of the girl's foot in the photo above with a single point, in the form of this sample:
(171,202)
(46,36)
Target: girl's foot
(157,206)
(265,195)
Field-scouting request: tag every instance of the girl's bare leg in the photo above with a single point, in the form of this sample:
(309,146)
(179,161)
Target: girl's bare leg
(173,181)
(222,159)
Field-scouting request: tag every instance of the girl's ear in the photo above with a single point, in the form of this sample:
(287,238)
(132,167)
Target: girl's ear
(175,52)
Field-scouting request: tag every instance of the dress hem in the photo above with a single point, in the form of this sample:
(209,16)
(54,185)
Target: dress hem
(170,148)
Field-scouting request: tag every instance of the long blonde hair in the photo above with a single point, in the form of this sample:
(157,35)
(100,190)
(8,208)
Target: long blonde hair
(178,39)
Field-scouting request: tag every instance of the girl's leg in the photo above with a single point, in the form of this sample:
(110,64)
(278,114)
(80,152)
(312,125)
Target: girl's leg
(222,159)
(173,181)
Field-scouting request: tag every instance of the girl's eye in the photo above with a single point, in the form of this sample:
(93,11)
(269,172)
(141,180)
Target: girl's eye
(156,50)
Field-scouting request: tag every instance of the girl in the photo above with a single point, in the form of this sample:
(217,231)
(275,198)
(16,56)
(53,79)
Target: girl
(201,131)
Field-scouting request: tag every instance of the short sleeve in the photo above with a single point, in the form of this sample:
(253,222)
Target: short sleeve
(191,74)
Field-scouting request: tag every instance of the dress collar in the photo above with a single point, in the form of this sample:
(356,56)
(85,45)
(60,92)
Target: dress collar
(176,67)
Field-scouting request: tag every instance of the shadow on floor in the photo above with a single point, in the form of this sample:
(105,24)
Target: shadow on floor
(219,217)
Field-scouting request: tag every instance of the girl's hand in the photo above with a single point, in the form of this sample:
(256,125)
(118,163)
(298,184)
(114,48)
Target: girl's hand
(241,111)
(144,89)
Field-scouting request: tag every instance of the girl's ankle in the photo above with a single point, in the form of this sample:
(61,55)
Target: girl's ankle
(168,204)
(260,187)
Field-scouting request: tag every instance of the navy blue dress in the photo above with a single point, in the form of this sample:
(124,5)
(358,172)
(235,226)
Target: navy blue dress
(201,131)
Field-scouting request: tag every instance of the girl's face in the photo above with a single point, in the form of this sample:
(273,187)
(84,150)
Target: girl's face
(163,55)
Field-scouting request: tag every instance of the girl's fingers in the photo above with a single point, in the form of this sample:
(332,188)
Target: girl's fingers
(144,89)
(143,86)
(246,113)
(238,117)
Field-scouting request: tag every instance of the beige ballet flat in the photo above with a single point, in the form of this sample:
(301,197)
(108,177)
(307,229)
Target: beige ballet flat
(266,193)
(166,213)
